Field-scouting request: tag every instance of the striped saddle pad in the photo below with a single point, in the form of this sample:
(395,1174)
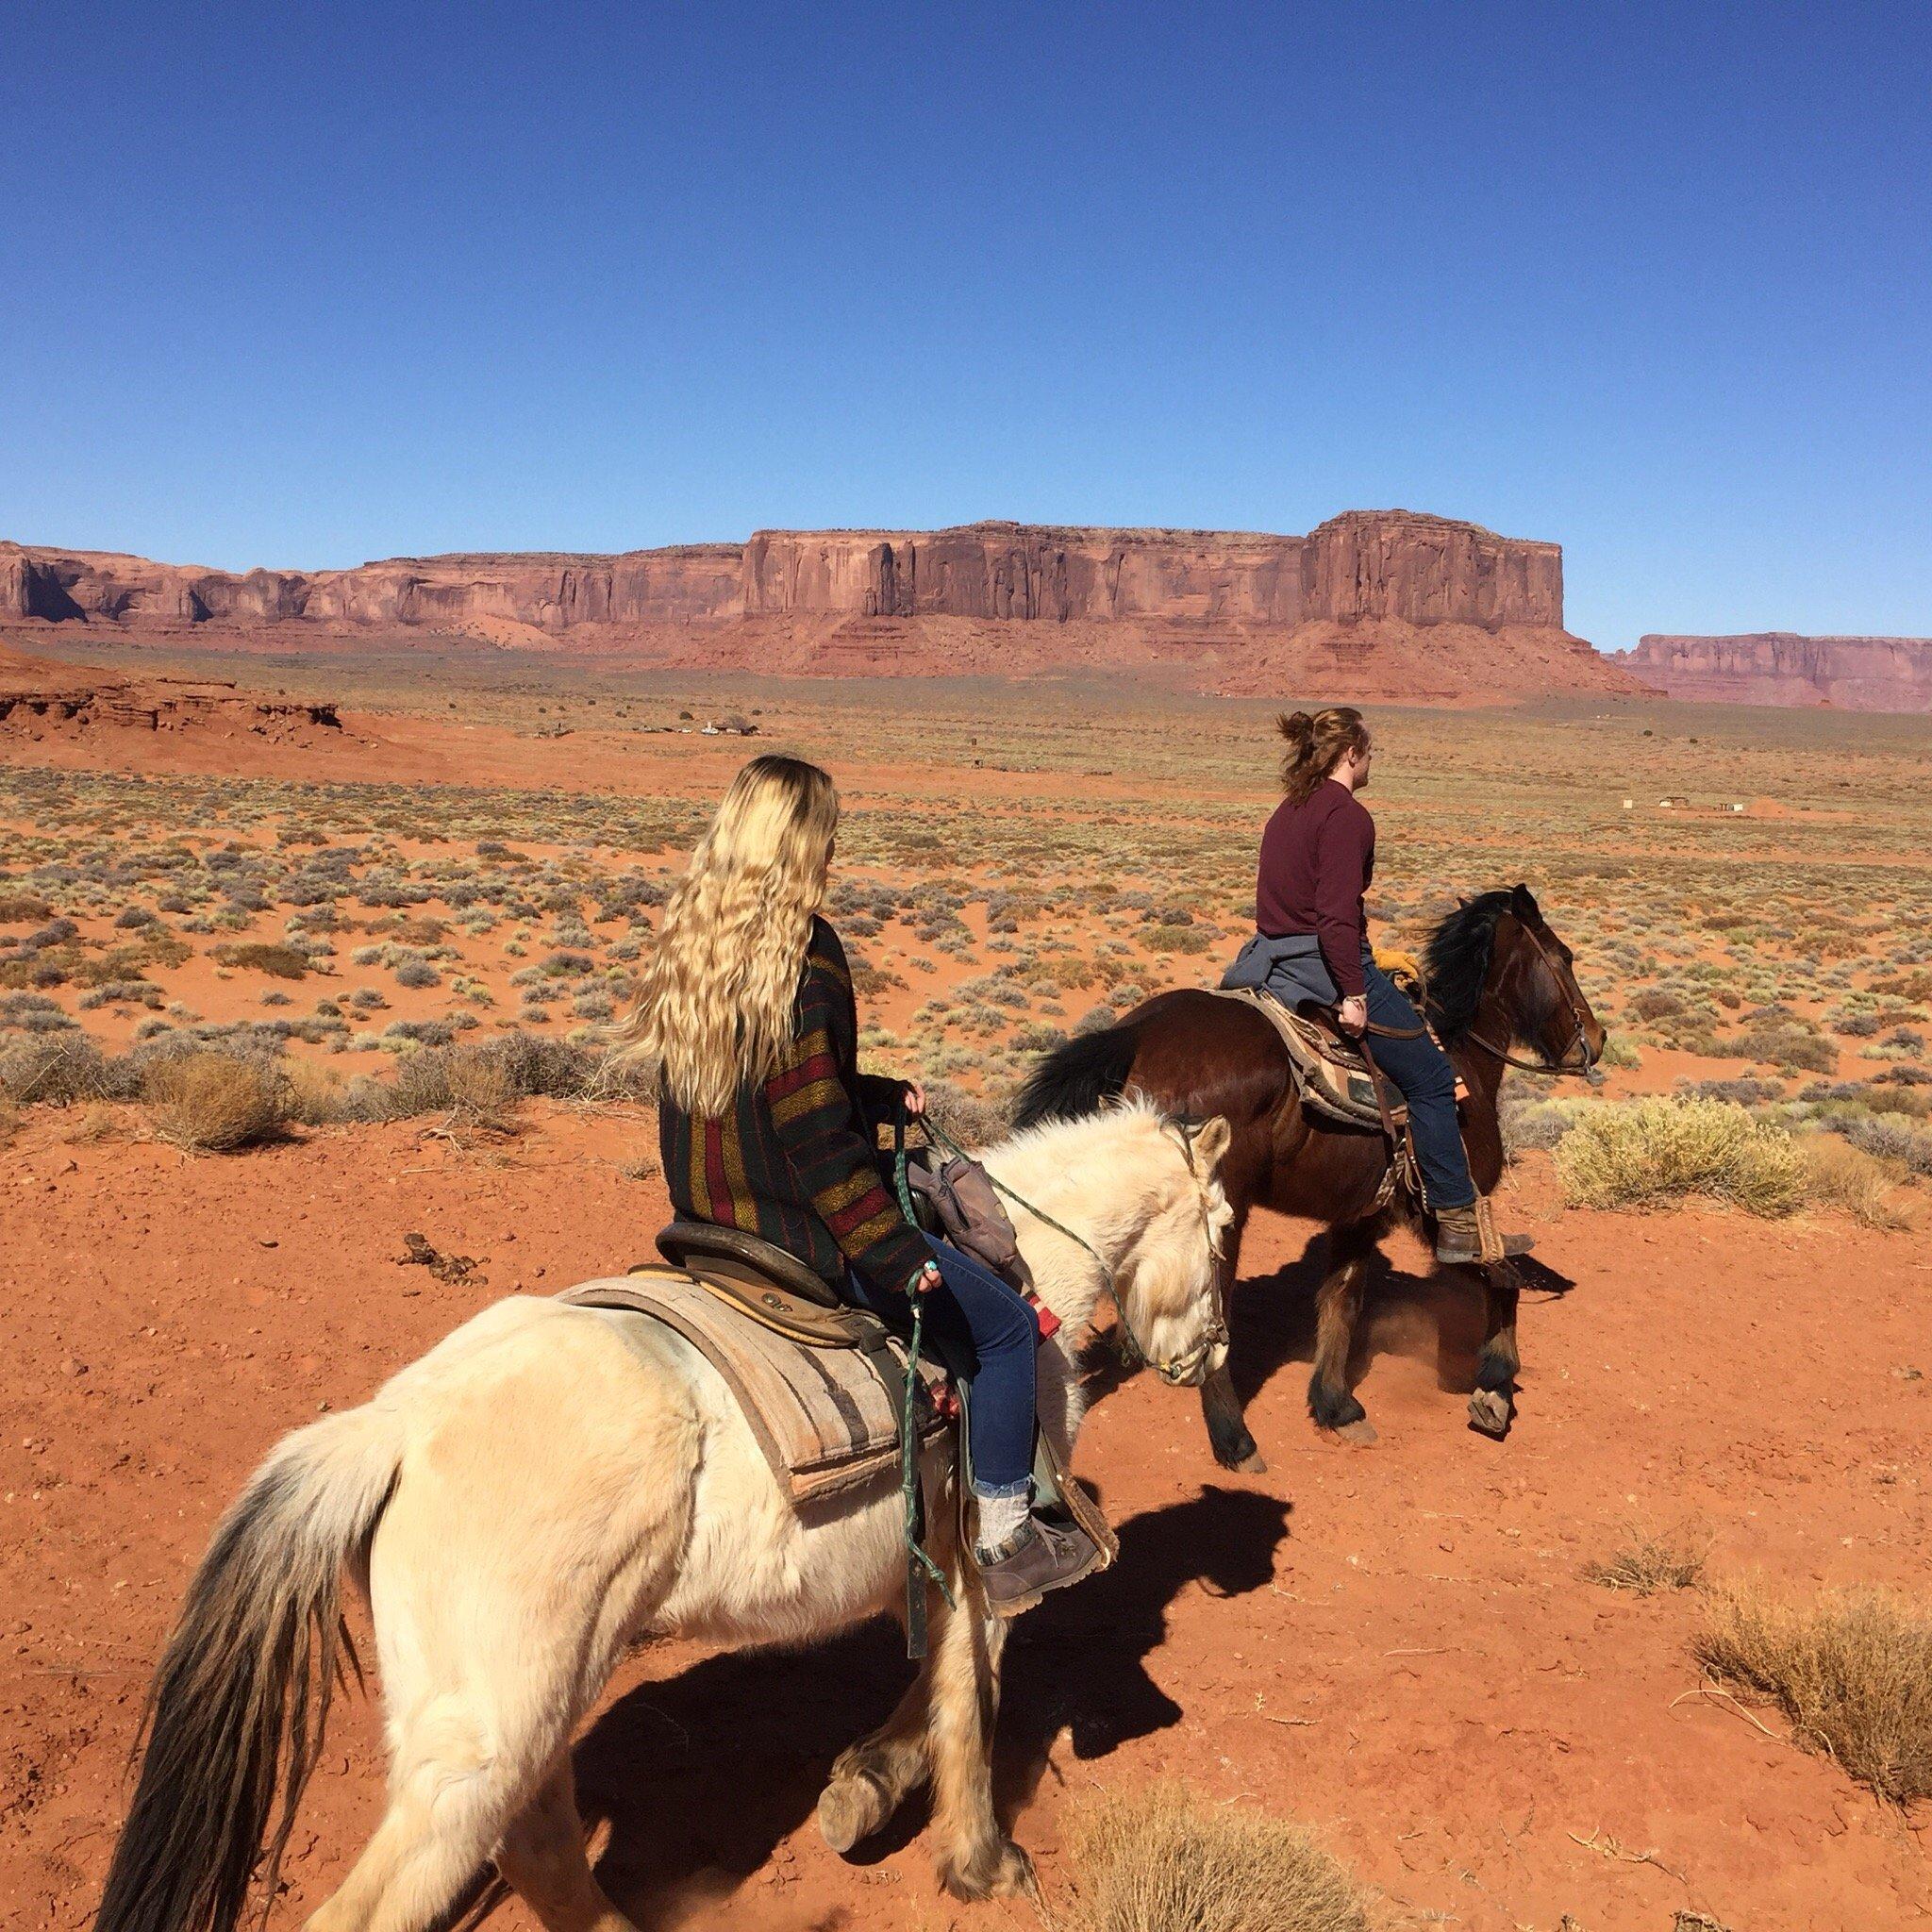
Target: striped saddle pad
(1332,1076)
(826,1415)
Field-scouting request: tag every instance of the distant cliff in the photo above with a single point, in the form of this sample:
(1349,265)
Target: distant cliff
(1389,602)
(1780,668)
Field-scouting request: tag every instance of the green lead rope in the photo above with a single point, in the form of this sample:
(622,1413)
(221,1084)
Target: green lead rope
(920,1567)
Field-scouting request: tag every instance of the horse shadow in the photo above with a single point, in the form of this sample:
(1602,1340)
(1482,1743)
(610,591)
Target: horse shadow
(1441,1313)
(702,1777)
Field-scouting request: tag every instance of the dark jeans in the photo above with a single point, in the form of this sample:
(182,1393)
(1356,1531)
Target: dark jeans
(1421,1070)
(979,1323)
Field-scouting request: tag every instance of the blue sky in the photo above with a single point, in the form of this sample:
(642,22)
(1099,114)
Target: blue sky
(303,286)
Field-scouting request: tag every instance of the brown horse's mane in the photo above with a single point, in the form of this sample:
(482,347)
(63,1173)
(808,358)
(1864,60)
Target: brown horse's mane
(1456,961)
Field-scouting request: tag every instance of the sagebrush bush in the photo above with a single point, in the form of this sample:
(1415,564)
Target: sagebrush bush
(1851,1670)
(63,1070)
(1654,1153)
(217,1102)
(1839,1174)
(1159,1860)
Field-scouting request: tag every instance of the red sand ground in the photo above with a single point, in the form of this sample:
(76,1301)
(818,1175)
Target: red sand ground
(1396,1644)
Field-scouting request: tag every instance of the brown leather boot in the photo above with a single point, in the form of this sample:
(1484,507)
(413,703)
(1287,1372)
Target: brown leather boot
(1469,1234)
(1047,1552)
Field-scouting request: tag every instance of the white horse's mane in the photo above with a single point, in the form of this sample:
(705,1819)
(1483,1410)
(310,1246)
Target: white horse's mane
(1126,1113)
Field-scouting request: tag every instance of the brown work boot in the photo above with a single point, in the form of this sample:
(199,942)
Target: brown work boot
(1045,1553)
(1469,1234)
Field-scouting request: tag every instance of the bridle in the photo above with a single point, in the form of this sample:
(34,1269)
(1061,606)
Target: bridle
(1579,1039)
(1181,1370)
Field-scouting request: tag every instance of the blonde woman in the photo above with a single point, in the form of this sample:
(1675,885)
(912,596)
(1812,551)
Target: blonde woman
(767,1125)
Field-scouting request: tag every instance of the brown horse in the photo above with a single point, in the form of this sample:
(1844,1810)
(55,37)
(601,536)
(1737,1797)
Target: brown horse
(1496,975)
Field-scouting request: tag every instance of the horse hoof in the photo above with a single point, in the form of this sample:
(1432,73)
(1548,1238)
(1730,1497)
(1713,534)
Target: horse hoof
(1358,1433)
(1489,1413)
(1240,1452)
(850,1810)
(999,1872)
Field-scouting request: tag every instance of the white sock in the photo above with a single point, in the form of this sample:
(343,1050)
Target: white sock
(1000,1518)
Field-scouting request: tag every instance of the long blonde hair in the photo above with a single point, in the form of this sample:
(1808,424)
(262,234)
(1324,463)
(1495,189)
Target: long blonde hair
(716,1007)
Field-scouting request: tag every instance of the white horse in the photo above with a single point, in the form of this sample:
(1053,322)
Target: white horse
(550,1482)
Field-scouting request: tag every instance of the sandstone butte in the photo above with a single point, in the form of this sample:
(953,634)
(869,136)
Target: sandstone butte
(41,700)
(1376,604)
(1779,667)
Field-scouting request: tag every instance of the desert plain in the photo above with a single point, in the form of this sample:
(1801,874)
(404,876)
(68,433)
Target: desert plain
(1449,1657)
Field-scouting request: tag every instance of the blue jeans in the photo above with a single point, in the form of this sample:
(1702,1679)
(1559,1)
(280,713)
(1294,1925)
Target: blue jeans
(1422,1071)
(980,1322)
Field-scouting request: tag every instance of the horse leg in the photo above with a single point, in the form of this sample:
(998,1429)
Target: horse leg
(977,1859)
(542,1858)
(1490,1405)
(1338,1305)
(504,1584)
(1221,1407)
(874,1776)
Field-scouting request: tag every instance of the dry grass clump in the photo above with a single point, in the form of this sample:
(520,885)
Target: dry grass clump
(63,1070)
(278,962)
(1838,1174)
(1159,1860)
(475,1087)
(1852,1669)
(1652,1561)
(1655,1152)
(214,1102)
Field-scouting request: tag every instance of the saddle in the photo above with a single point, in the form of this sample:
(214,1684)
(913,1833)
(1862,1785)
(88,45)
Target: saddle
(1330,1074)
(821,1384)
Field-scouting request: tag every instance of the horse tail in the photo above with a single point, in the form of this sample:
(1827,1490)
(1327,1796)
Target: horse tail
(1077,1078)
(236,1713)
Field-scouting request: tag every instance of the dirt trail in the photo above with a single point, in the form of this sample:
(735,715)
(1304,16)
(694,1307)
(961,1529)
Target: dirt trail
(1395,1644)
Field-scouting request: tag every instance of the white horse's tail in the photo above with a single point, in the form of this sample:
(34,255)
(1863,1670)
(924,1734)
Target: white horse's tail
(236,1713)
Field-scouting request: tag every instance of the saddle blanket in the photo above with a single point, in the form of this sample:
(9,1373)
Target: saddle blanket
(827,1417)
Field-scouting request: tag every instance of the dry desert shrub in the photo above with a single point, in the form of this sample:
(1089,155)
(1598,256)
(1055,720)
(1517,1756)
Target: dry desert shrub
(63,1070)
(215,1103)
(1852,1669)
(1159,1860)
(1655,1152)
(255,956)
(1838,1174)
(1653,1561)
(969,1119)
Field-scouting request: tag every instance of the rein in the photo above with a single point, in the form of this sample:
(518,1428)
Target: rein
(1176,1373)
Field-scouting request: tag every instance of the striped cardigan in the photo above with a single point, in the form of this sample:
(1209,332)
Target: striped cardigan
(795,1160)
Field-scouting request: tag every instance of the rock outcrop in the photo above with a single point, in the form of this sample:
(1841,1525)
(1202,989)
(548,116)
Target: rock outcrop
(41,700)
(1385,603)
(1781,667)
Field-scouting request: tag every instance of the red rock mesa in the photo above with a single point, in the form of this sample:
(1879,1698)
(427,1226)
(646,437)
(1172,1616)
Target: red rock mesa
(1778,668)
(1388,603)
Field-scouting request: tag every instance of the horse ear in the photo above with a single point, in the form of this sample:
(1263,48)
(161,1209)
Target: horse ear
(1523,902)
(1212,1142)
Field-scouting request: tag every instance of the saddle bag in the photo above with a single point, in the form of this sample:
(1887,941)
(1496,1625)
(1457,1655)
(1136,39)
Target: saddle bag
(960,1197)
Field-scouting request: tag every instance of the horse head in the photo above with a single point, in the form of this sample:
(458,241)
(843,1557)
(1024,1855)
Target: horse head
(1534,974)
(1168,1283)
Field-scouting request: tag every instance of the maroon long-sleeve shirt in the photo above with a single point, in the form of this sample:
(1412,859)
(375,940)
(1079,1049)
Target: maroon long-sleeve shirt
(1317,860)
